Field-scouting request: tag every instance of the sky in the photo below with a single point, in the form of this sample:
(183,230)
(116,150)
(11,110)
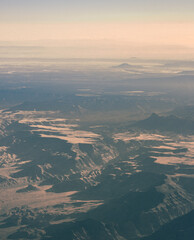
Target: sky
(50,11)
(125,22)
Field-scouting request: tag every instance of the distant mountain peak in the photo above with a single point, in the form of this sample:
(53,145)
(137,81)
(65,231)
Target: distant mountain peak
(128,66)
(170,123)
(124,65)
(154,115)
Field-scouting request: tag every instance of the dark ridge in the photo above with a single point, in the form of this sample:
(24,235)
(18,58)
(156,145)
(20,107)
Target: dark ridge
(29,188)
(170,123)
(181,228)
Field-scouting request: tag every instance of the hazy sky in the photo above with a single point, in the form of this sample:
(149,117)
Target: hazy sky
(99,10)
(141,22)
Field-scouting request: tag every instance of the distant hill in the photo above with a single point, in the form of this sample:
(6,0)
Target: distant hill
(170,123)
(181,228)
(128,66)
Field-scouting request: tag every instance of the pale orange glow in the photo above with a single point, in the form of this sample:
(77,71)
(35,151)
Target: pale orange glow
(172,33)
(106,40)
